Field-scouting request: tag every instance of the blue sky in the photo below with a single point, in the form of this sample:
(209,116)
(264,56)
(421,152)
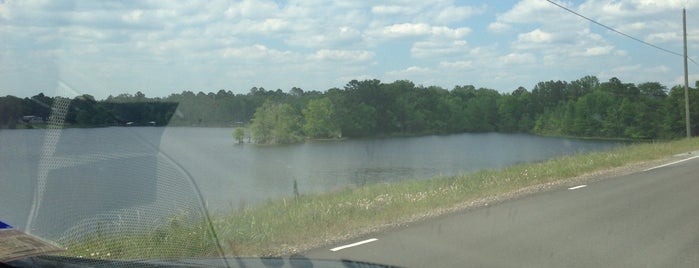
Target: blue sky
(159,47)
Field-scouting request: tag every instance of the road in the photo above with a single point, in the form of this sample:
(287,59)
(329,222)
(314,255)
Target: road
(646,219)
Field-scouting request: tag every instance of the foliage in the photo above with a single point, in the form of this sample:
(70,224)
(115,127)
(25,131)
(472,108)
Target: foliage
(276,123)
(319,119)
(584,107)
(239,134)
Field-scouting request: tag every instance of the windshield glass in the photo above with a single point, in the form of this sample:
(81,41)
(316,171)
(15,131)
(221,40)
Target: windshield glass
(336,131)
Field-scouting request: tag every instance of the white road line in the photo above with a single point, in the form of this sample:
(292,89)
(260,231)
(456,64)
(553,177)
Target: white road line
(354,244)
(577,187)
(672,163)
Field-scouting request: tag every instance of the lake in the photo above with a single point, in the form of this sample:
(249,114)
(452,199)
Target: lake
(90,171)
(230,173)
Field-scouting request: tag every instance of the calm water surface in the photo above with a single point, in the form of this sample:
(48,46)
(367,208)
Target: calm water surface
(229,174)
(132,167)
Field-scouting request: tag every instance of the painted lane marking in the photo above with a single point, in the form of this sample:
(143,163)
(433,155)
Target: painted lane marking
(354,244)
(577,187)
(672,163)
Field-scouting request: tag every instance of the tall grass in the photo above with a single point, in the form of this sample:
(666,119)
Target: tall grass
(288,225)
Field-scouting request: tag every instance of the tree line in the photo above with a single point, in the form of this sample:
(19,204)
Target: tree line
(585,107)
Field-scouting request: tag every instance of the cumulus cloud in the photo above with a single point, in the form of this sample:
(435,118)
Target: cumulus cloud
(453,14)
(419,30)
(535,39)
(535,36)
(534,11)
(406,29)
(452,33)
(663,37)
(456,64)
(343,55)
(598,51)
(256,52)
(499,27)
(411,71)
(252,9)
(518,58)
(341,36)
(327,41)
(438,49)
(392,9)
(133,16)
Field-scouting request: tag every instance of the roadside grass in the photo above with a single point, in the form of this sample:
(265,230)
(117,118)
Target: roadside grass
(285,226)
(179,236)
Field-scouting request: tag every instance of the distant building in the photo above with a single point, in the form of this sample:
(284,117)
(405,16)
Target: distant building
(33,119)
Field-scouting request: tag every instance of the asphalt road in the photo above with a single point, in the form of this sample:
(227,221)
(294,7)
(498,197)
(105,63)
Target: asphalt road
(646,219)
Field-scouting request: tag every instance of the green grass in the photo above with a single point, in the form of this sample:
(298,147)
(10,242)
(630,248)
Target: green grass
(284,226)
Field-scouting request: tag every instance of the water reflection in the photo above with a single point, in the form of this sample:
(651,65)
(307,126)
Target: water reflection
(232,175)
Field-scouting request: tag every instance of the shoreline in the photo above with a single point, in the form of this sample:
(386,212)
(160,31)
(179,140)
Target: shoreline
(292,225)
(341,139)
(491,186)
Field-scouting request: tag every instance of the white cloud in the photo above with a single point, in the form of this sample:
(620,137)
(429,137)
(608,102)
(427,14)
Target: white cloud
(499,27)
(319,42)
(256,52)
(343,55)
(518,58)
(534,11)
(659,69)
(451,33)
(453,13)
(133,16)
(405,30)
(341,36)
(438,49)
(536,36)
(535,39)
(418,30)
(252,9)
(664,37)
(456,64)
(621,53)
(410,72)
(392,9)
(598,51)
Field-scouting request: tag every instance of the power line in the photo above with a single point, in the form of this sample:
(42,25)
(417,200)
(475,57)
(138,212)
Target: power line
(619,32)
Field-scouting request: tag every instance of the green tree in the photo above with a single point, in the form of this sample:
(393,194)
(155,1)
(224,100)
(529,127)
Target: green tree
(318,117)
(263,122)
(239,134)
(482,111)
(287,127)
(275,123)
(513,111)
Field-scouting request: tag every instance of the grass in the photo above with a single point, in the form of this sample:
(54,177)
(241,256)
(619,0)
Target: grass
(284,226)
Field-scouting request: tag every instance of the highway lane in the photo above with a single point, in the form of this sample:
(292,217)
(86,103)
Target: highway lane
(646,219)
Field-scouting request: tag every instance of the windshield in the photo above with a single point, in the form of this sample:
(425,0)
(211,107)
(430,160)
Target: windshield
(407,133)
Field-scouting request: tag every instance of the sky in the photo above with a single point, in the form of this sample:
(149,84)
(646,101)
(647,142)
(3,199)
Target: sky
(102,48)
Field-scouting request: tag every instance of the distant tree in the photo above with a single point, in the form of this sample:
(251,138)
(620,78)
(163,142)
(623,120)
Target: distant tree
(275,123)
(319,119)
(296,92)
(652,90)
(262,123)
(239,134)
(287,127)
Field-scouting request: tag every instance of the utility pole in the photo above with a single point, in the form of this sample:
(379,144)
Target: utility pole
(686,75)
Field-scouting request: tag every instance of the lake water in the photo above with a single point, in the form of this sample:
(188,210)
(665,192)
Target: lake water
(136,167)
(230,173)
